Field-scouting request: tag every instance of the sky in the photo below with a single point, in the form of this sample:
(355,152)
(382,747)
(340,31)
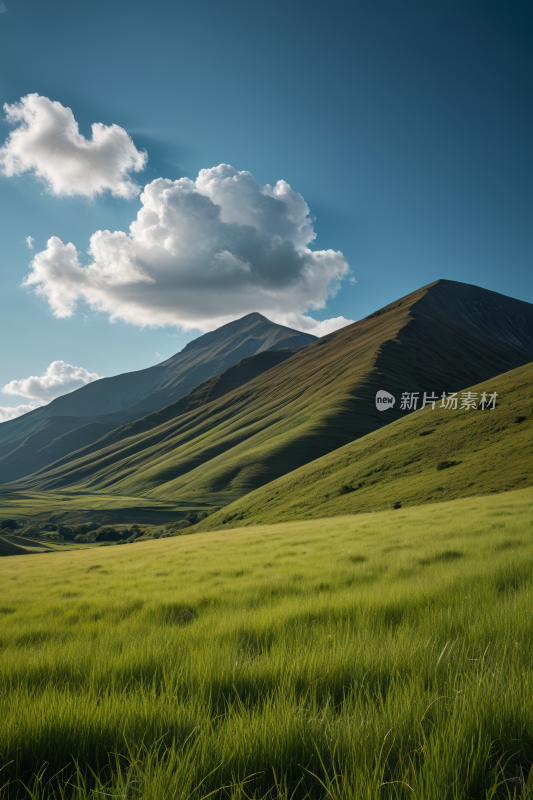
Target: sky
(167,167)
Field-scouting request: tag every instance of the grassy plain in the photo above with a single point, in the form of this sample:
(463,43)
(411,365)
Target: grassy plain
(383,655)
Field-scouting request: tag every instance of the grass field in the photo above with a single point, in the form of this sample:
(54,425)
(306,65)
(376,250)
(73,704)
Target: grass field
(383,655)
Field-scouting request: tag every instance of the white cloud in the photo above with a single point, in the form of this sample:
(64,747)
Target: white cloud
(58,379)
(7,412)
(29,241)
(199,254)
(3,8)
(48,143)
(309,325)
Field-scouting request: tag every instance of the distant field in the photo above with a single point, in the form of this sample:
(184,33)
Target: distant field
(73,507)
(384,655)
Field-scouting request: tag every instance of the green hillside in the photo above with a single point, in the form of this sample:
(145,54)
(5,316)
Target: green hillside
(443,337)
(378,656)
(428,456)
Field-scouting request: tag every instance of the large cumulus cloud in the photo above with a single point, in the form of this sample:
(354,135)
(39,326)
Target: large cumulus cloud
(58,379)
(47,142)
(199,254)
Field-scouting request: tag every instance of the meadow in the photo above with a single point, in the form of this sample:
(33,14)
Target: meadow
(376,655)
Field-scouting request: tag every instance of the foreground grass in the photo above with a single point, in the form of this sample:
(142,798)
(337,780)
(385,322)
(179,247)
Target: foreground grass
(377,656)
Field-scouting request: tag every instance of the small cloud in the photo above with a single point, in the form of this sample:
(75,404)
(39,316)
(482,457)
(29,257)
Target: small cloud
(158,354)
(352,280)
(29,241)
(3,8)
(58,379)
(302,322)
(7,412)
(48,143)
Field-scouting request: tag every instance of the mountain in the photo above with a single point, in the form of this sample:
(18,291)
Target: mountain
(79,418)
(432,455)
(443,337)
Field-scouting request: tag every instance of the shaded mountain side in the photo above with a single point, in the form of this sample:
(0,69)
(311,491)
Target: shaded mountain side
(111,402)
(50,428)
(58,436)
(443,337)
(425,457)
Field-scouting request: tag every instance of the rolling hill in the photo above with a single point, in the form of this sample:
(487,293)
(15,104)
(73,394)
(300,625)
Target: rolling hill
(80,418)
(7,548)
(444,337)
(425,457)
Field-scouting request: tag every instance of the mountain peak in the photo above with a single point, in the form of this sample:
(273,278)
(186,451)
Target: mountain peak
(253,325)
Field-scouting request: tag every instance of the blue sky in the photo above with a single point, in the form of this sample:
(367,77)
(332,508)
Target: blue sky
(405,126)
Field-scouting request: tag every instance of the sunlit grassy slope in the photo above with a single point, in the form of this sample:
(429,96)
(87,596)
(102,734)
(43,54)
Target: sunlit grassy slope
(485,451)
(443,337)
(380,655)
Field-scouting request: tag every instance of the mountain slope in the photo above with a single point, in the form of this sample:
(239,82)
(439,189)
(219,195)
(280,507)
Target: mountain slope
(77,419)
(479,452)
(444,337)
(208,391)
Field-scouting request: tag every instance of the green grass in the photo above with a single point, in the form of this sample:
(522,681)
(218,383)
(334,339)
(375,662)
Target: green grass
(484,452)
(383,655)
